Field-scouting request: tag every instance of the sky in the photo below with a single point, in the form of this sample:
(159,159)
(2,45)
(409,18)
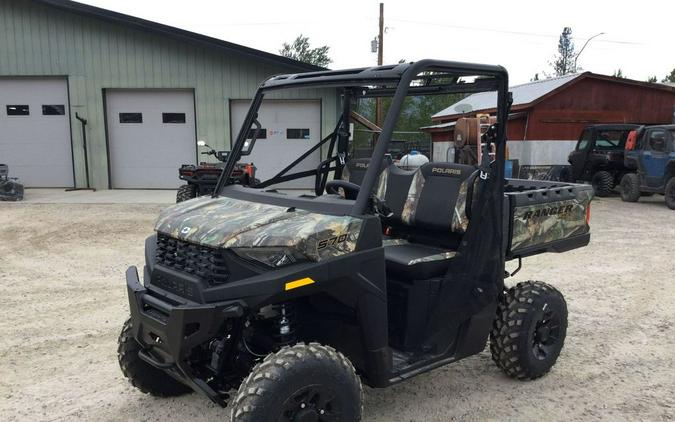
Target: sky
(638,37)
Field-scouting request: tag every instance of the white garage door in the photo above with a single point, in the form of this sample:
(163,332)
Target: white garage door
(291,127)
(35,131)
(150,134)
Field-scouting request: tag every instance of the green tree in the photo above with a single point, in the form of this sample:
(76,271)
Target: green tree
(670,78)
(618,74)
(301,50)
(565,61)
(535,77)
(651,79)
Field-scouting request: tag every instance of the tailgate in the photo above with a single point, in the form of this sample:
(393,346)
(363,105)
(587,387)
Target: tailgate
(547,217)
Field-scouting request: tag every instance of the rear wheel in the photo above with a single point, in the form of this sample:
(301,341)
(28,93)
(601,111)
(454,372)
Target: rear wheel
(603,183)
(186,192)
(141,375)
(300,383)
(529,330)
(630,187)
(670,193)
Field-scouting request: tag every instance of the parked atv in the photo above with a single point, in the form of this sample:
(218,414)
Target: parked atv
(202,179)
(292,301)
(10,188)
(651,162)
(598,157)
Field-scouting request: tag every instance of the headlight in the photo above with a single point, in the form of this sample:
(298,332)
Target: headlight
(274,257)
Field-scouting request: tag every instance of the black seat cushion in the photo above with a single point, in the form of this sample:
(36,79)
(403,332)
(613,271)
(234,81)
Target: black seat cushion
(414,261)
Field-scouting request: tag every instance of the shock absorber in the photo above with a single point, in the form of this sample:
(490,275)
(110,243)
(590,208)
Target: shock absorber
(285,325)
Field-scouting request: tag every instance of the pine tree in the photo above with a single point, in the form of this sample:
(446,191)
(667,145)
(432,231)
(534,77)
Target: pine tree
(618,74)
(564,61)
(670,78)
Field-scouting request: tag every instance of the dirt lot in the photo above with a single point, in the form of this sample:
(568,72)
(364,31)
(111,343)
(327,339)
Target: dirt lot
(63,303)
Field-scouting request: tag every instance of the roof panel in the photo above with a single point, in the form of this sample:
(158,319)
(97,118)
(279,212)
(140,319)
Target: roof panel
(143,24)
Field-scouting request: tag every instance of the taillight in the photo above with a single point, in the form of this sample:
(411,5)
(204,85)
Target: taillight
(588,215)
(186,173)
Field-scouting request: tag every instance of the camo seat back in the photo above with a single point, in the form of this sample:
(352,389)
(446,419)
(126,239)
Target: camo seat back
(392,188)
(436,199)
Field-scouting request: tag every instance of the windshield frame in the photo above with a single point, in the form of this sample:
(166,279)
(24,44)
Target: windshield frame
(397,81)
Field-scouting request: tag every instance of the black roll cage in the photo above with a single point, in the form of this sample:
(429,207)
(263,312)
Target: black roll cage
(424,77)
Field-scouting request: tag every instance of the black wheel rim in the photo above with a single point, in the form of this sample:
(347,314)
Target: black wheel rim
(313,403)
(546,335)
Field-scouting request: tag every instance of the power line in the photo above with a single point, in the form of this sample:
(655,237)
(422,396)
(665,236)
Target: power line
(500,31)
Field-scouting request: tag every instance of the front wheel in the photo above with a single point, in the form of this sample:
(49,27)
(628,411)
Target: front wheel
(303,382)
(630,187)
(670,193)
(529,330)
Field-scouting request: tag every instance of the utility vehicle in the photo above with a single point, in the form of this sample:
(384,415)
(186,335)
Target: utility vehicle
(598,156)
(294,300)
(10,188)
(202,179)
(651,165)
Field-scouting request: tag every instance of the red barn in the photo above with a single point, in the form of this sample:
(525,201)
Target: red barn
(547,116)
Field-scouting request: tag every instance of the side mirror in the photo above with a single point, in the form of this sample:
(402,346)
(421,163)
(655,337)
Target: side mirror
(201,143)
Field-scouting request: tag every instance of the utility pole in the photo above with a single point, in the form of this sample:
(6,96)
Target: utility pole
(380,52)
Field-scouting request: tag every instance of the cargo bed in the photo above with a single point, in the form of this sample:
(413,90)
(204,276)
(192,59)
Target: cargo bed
(546,216)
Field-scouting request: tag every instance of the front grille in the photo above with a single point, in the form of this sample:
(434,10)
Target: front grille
(201,261)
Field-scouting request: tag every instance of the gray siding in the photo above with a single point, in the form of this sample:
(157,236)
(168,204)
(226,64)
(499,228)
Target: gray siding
(36,40)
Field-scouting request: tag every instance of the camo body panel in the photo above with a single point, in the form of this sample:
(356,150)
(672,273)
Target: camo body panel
(535,225)
(231,223)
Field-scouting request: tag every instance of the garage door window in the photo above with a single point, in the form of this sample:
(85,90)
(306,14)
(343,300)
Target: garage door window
(173,117)
(131,117)
(53,110)
(17,110)
(297,133)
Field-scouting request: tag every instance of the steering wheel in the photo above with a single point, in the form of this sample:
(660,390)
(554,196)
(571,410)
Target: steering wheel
(351,189)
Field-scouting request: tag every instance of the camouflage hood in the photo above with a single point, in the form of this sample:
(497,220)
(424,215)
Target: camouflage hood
(231,223)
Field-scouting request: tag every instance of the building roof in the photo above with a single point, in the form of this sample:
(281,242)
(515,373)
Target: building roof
(527,94)
(440,125)
(522,94)
(181,34)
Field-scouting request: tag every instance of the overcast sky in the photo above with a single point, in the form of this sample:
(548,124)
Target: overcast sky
(639,37)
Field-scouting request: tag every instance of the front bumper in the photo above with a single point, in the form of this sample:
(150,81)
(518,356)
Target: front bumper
(169,328)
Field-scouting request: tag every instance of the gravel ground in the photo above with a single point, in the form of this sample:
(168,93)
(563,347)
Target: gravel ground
(64,301)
